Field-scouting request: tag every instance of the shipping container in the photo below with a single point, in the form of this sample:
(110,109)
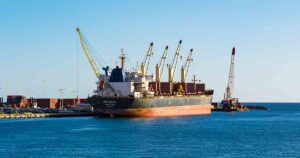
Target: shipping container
(165,87)
(50,103)
(17,101)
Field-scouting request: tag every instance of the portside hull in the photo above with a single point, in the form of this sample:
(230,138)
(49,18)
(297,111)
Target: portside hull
(185,110)
(152,107)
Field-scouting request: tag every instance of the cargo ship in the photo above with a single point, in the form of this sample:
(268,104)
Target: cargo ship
(137,94)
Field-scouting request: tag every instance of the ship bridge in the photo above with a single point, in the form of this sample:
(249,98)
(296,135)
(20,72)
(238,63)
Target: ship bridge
(117,75)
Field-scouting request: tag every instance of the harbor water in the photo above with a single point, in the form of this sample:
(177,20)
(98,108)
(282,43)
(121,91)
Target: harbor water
(271,133)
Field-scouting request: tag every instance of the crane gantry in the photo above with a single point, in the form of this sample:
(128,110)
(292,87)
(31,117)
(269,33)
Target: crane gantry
(146,61)
(88,54)
(185,67)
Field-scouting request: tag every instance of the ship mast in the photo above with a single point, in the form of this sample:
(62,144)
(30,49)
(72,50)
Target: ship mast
(123,58)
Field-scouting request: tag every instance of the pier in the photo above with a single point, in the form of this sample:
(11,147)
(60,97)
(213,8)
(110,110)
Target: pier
(44,115)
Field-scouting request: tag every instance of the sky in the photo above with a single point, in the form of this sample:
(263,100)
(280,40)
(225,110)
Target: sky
(40,49)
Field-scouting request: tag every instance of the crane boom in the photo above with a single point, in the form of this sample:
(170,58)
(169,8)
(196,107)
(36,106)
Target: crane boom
(186,66)
(147,60)
(160,66)
(163,60)
(172,67)
(88,54)
(230,84)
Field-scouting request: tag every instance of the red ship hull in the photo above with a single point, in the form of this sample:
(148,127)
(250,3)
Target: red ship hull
(185,110)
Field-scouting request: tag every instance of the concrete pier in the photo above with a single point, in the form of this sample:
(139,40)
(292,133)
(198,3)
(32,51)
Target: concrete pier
(43,115)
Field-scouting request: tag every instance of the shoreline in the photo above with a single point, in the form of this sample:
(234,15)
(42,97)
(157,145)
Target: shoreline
(44,115)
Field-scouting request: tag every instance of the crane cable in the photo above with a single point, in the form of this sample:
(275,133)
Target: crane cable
(94,53)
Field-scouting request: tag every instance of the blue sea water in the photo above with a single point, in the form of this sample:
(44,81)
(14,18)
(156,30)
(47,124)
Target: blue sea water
(271,133)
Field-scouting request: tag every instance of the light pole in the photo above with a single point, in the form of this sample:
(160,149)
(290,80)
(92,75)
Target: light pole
(61,94)
(74,100)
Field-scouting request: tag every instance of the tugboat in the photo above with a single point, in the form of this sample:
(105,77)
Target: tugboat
(233,104)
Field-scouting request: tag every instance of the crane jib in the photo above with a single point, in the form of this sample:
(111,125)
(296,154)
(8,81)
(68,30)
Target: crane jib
(88,54)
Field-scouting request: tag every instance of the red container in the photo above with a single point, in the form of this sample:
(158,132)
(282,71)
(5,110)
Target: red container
(200,87)
(83,100)
(165,87)
(50,103)
(17,101)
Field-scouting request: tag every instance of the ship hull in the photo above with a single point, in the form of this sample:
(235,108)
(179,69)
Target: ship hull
(151,107)
(158,112)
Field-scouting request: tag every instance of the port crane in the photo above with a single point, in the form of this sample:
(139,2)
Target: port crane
(146,61)
(88,54)
(172,67)
(229,102)
(185,67)
(230,84)
(160,66)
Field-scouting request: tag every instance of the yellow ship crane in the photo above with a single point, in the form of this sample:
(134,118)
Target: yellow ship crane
(160,66)
(146,62)
(186,66)
(172,67)
(88,54)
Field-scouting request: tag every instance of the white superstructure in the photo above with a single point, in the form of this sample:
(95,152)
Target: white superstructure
(124,84)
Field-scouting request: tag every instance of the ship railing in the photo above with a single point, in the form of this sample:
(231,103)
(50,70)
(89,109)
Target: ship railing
(182,94)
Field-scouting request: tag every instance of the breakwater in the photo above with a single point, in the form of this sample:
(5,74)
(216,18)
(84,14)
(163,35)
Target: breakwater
(43,115)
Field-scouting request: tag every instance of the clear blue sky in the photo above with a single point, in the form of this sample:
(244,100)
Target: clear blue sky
(38,42)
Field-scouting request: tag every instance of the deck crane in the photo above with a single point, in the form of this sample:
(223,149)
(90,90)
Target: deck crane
(159,69)
(88,54)
(186,66)
(160,66)
(172,67)
(146,61)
